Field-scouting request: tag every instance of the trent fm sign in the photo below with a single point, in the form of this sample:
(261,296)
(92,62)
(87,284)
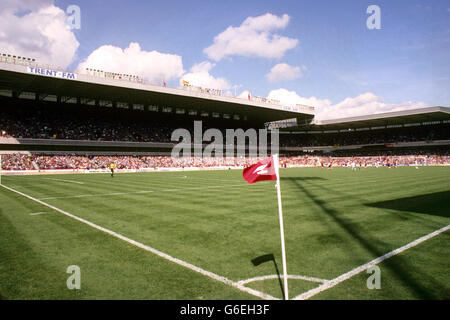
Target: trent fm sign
(52,73)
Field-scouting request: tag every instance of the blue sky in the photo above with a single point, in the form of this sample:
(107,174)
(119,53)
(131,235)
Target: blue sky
(337,57)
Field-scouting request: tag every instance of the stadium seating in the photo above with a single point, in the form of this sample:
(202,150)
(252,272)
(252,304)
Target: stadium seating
(46,162)
(39,120)
(42,122)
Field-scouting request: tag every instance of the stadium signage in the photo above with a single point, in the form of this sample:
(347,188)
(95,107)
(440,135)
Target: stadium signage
(289,108)
(52,73)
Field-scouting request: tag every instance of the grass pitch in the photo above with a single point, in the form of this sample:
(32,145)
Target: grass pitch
(335,220)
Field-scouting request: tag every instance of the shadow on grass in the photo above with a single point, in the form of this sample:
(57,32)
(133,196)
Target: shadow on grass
(402,214)
(266,258)
(436,204)
(396,264)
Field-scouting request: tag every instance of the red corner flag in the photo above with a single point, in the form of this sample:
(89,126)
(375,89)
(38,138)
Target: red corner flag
(268,169)
(261,171)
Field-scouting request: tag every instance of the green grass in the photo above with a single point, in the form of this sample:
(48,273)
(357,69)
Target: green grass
(335,220)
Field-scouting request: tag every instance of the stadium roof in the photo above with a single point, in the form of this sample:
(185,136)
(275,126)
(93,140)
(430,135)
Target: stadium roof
(44,81)
(421,115)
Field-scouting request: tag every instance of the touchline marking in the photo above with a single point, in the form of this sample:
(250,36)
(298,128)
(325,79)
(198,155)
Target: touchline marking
(276,276)
(161,254)
(329,284)
(70,181)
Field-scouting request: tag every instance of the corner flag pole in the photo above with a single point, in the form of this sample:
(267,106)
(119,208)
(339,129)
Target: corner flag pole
(280,212)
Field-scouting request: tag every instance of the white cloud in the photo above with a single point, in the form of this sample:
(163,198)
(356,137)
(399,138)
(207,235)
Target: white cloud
(37,29)
(292,98)
(283,72)
(151,65)
(244,94)
(204,66)
(255,37)
(199,76)
(16,6)
(364,104)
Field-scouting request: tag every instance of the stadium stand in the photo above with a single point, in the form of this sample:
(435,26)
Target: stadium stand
(38,121)
(17,162)
(390,135)
(24,119)
(53,162)
(47,124)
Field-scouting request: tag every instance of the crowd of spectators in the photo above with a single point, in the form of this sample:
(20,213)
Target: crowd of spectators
(77,162)
(82,123)
(41,123)
(376,136)
(88,123)
(134,162)
(367,161)
(17,162)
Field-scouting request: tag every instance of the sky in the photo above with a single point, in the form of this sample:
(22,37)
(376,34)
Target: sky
(345,58)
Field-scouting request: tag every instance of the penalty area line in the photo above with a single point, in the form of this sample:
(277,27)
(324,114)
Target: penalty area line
(329,284)
(161,254)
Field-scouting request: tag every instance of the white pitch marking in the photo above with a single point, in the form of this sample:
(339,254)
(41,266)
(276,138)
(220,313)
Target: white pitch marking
(152,250)
(212,179)
(202,188)
(144,191)
(97,195)
(36,213)
(70,181)
(329,284)
(276,276)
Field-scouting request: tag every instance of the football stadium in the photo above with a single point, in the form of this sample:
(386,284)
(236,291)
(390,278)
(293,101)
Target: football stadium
(117,187)
(357,192)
